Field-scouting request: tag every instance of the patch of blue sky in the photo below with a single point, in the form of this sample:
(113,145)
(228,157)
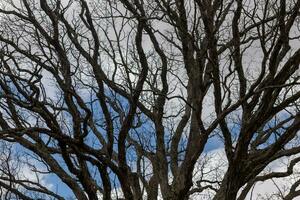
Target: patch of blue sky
(274,132)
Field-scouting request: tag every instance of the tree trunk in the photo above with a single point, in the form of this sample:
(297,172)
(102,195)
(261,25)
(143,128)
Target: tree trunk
(229,187)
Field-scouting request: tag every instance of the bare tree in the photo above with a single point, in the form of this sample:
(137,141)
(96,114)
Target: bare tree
(17,180)
(120,99)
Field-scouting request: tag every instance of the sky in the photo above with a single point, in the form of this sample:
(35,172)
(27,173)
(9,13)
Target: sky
(213,149)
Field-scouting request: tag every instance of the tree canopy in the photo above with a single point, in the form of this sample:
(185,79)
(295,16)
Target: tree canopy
(126,98)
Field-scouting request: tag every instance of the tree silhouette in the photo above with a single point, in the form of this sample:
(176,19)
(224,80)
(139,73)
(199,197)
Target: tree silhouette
(120,99)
